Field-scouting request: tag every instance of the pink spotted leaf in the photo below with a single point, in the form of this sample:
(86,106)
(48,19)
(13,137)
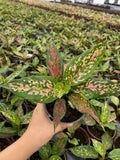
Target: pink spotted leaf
(54,63)
(75,126)
(107,141)
(59,111)
(83,66)
(37,88)
(59,146)
(82,105)
(97,88)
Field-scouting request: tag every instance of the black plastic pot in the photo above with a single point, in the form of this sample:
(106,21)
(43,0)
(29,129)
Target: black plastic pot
(116,142)
(71,116)
(92,135)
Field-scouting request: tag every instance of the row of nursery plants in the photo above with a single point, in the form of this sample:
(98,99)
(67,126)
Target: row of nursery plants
(68,65)
(95,16)
(25,35)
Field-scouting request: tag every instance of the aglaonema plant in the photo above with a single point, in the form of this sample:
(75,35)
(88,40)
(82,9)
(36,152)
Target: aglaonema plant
(15,118)
(54,150)
(73,81)
(98,150)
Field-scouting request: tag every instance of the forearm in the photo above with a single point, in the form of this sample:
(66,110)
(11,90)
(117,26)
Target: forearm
(22,149)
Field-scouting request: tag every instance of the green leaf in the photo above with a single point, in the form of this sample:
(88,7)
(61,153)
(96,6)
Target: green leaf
(7,132)
(12,117)
(4,68)
(26,118)
(85,151)
(60,89)
(35,61)
(59,146)
(110,125)
(74,141)
(115,100)
(2,79)
(16,73)
(54,63)
(105,66)
(98,88)
(114,154)
(5,107)
(105,113)
(83,66)
(59,111)
(75,126)
(89,120)
(45,151)
(99,147)
(55,157)
(82,105)
(2,124)
(19,111)
(96,103)
(107,141)
(37,88)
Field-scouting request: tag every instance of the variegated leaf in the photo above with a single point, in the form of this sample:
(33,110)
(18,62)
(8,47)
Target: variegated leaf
(107,141)
(12,117)
(45,151)
(60,89)
(75,126)
(84,151)
(99,147)
(98,88)
(19,111)
(114,154)
(54,63)
(82,105)
(59,111)
(5,107)
(7,132)
(83,66)
(59,146)
(2,124)
(26,118)
(61,135)
(89,120)
(37,88)
(105,113)
(110,125)
(16,73)
(55,157)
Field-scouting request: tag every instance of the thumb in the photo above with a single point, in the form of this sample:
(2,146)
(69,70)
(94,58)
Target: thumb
(62,126)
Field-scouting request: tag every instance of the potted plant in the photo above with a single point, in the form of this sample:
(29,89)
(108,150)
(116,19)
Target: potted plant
(17,121)
(54,149)
(71,83)
(106,116)
(98,150)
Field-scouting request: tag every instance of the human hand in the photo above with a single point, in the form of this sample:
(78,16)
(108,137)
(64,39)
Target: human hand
(39,132)
(41,128)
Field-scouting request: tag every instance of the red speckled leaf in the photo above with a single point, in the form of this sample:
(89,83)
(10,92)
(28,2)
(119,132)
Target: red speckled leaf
(83,66)
(82,105)
(61,135)
(54,63)
(59,146)
(75,126)
(37,88)
(98,88)
(107,141)
(59,111)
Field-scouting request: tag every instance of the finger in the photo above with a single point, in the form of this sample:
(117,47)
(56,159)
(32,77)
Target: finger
(63,126)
